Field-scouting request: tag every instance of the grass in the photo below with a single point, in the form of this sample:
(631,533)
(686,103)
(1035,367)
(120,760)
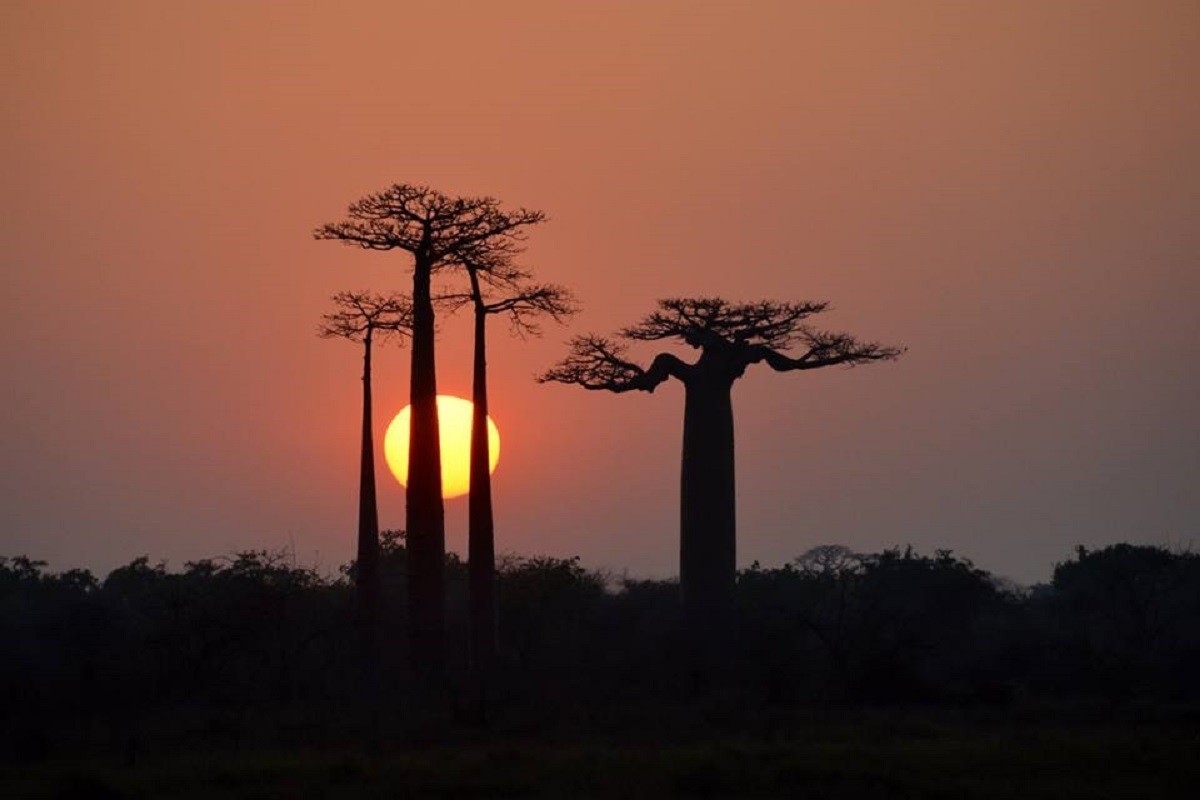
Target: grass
(876,756)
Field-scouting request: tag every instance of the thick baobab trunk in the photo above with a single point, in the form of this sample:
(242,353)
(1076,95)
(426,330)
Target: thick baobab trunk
(424,513)
(708,525)
(367,562)
(481,546)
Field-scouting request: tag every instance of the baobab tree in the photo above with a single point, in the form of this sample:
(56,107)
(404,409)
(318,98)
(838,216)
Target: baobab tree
(497,287)
(730,338)
(434,229)
(367,318)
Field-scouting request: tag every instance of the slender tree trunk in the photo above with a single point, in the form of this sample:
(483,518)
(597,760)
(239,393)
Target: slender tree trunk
(481,556)
(424,513)
(367,562)
(708,521)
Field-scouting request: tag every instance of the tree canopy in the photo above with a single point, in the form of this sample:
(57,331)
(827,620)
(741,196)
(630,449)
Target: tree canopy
(358,314)
(740,333)
(419,219)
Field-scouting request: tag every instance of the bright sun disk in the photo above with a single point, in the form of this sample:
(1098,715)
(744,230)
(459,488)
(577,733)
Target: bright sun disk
(454,425)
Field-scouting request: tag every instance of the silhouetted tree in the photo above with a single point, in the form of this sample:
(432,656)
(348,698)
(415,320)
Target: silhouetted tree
(730,338)
(1129,615)
(367,318)
(434,229)
(496,287)
(910,622)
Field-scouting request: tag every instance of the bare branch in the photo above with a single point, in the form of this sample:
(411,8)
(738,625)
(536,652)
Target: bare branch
(359,314)
(418,219)
(499,286)
(708,321)
(825,349)
(479,225)
(534,301)
(399,217)
(731,336)
(599,363)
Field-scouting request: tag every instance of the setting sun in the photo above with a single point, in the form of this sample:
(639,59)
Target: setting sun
(454,423)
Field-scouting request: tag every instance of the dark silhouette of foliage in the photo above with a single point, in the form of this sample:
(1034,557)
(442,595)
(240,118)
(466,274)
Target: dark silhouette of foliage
(1128,616)
(730,337)
(254,651)
(435,230)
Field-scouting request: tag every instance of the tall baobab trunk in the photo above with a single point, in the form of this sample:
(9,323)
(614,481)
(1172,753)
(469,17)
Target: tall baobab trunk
(367,564)
(481,546)
(708,516)
(367,573)
(424,513)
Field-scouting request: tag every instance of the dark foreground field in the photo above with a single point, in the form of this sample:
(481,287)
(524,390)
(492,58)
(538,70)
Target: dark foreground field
(878,755)
(838,675)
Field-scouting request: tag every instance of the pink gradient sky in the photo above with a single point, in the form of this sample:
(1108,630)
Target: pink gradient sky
(1011,190)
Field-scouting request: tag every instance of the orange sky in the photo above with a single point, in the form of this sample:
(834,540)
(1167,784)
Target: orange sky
(1011,190)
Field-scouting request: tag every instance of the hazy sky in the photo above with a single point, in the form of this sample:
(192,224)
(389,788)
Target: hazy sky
(1012,190)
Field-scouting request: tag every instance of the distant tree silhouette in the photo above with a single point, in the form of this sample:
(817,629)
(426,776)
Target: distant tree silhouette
(886,627)
(435,229)
(730,338)
(1129,613)
(496,287)
(249,653)
(366,318)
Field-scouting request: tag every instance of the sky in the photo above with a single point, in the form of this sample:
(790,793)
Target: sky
(1010,190)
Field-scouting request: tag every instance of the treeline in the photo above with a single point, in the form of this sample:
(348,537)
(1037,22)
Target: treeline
(253,648)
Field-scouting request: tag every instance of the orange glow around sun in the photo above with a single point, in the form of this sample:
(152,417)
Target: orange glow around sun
(454,424)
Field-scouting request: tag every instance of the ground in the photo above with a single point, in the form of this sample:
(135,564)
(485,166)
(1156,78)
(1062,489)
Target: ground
(875,755)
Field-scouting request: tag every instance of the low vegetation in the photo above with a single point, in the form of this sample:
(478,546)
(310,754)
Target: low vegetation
(253,654)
